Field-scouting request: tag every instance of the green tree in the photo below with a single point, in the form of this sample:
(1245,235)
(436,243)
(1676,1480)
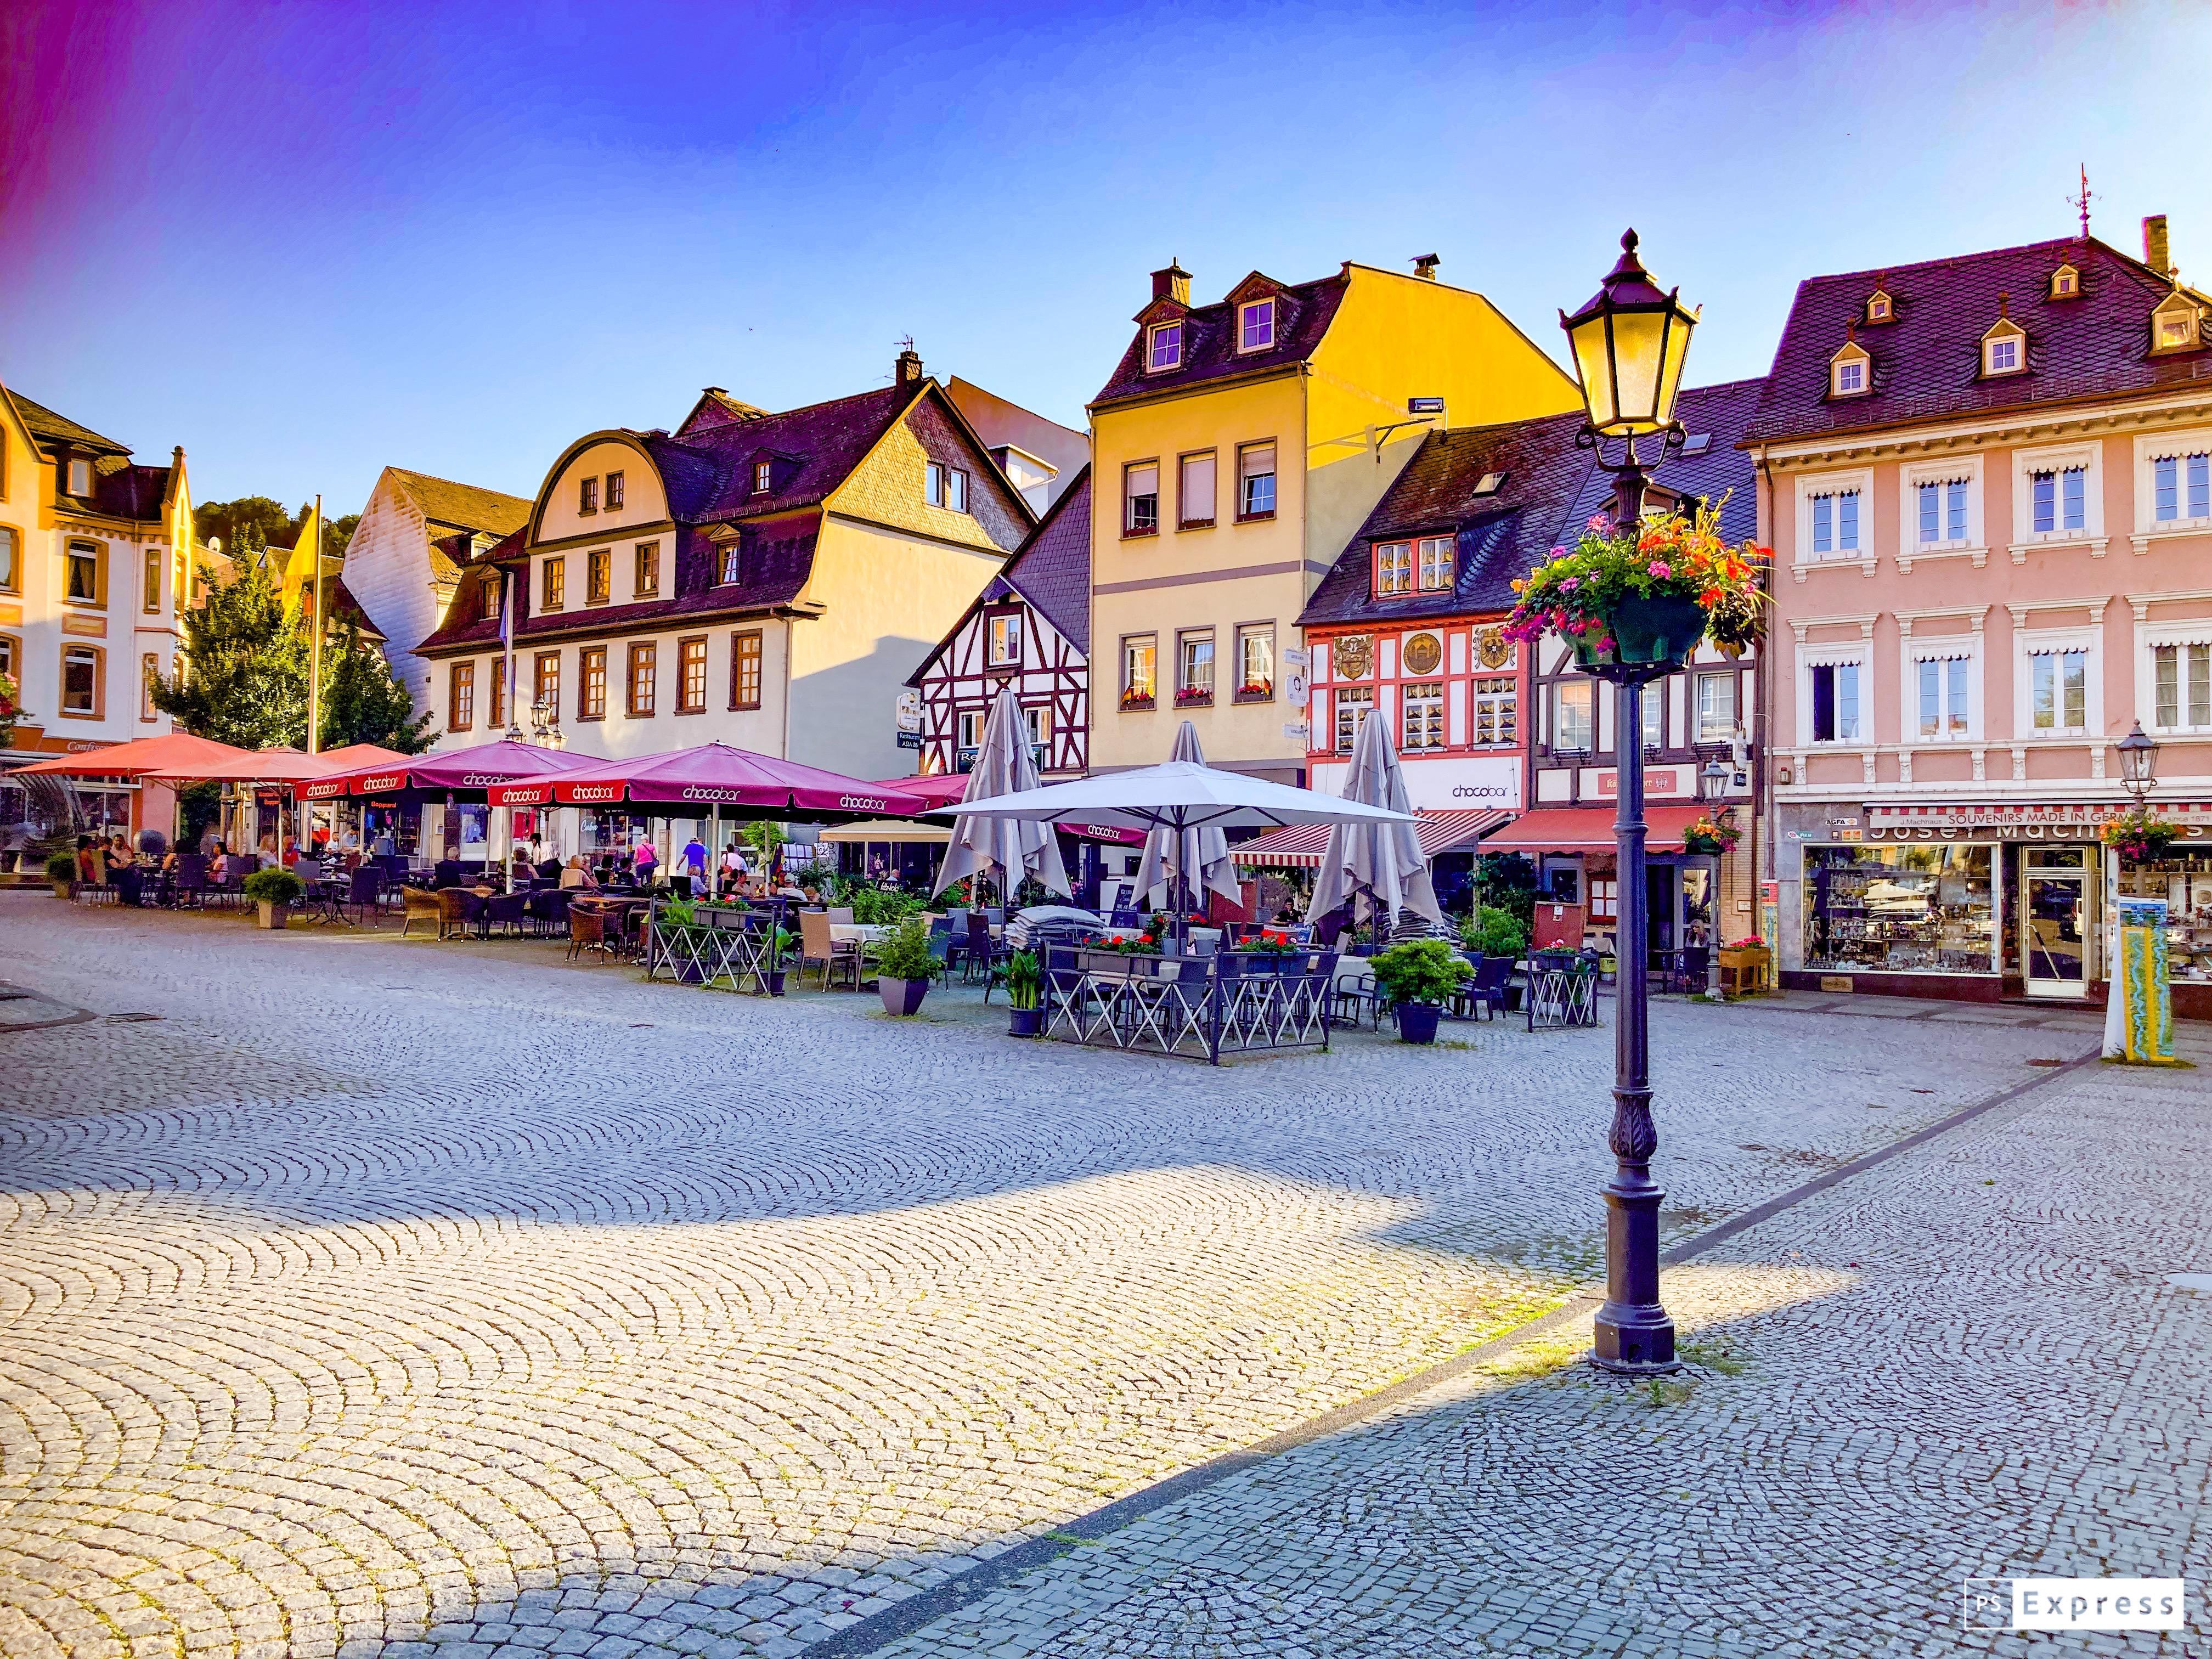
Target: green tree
(247,516)
(362,701)
(241,676)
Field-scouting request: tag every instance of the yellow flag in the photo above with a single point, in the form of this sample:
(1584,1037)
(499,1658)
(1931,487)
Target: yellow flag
(300,572)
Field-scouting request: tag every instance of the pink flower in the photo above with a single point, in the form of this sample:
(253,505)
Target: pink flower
(1600,523)
(1571,584)
(1661,567)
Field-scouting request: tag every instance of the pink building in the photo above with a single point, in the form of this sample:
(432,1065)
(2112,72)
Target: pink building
(1986,481)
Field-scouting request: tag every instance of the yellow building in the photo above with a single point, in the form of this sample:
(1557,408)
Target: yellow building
(1238,446)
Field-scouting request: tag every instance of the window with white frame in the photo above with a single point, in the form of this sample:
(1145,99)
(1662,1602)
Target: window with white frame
(1850,377)
(1140,499)
(1422,711)
(2174,481)
(1436,564)
(1497,709)
(1832,517)
(1393,567)
(1163,347)
(80,477)
(2001,355)
(2181,685)
(1657,695)
(2058,689)
(1832,699)
(1717,694)
(1942,691)
(1573,725)
(2057,495)
(1255,326)
(968,733)
(1005,633)
(1940,512)
(1037,717)
(1256,480)
(1353,704)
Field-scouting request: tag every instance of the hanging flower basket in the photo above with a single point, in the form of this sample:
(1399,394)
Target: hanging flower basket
(2139,836)
(1710,835)
(1643,597)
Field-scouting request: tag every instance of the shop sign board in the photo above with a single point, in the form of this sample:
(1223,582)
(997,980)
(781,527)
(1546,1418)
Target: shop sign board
(1657,781)
(1459,784)
(2059,820)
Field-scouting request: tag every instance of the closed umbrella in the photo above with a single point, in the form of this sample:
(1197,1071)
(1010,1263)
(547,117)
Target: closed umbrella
(1375,867)
(1195,856)
(1014,847)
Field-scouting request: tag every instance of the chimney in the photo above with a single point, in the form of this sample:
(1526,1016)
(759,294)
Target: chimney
(1172,283)
(2155,252)
(906,368)
(1425,266)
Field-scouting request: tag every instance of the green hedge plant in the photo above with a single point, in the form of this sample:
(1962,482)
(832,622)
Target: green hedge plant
(1495,933)
(905,953)
(1423,971)
(275,887)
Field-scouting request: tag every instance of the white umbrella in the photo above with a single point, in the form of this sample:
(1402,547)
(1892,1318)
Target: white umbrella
(1197,858)
(1014,847)
(1377,867)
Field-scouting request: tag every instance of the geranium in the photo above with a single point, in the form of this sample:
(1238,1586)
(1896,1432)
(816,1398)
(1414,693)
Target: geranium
(2138,835)
(1576,593)
(1711,834)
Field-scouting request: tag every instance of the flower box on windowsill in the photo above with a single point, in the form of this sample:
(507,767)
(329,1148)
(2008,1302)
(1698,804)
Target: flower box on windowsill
(1132,700)
(1195,697)
(1132,532)
(1258,692)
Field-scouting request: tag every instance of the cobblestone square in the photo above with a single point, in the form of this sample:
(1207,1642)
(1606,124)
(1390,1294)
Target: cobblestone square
(383,1298)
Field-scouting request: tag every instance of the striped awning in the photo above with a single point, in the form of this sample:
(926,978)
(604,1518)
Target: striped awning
(1303,844)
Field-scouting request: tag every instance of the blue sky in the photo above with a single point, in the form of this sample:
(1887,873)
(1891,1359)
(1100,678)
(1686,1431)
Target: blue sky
(308,240)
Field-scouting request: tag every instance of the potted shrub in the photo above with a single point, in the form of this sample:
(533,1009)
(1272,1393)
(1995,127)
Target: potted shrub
(1417,976)
(61,871)
(779,952)
(903,967)
(1025,993)
(274,893)
(1495,933)
(1640,598)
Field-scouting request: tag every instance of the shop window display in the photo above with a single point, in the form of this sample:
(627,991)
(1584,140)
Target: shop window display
(1900,909)
(2184,879)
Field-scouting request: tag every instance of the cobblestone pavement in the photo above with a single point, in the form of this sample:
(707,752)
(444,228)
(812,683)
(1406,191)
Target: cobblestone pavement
(372,1298)
(1967,1361)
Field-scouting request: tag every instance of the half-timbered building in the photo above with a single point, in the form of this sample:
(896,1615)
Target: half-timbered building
(1029,629)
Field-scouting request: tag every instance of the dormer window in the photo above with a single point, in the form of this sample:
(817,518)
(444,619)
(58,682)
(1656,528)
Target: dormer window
(1163,347)
(80,477)
(2065,283)
(2174,325)
(1850,371)
(492,594)
(763,474)
(1490,483)
(2004,348)
(1696,443)
(1255,326)
(1879,307)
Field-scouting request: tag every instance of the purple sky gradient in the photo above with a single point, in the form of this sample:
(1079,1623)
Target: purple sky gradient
(308,240)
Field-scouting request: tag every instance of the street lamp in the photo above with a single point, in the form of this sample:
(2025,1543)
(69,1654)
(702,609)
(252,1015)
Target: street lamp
(1713,780)
(1629,344)
(2138,763)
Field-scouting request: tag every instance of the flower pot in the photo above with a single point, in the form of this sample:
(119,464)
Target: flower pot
(1657,632)
(1026,1023)
(775,983)
(902,996)
(276,916)
(62,888)
(1417,1021)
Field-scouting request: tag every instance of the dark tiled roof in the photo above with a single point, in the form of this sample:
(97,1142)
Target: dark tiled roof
(45,423)
(340,606)
(772,568)
(464,507)
(132,492)
(1052,568)
(1926,362)
(1552,485)
(1209,341)
(826,440)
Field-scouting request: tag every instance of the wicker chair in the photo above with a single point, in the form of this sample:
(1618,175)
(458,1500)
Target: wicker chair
(420,904)
(815,946)
(587,927)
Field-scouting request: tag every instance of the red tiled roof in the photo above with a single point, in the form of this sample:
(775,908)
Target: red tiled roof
(1926,363)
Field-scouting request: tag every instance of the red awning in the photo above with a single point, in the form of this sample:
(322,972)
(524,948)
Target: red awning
(179,754)
(715,774)
(457,770)
(937,788)
(1589,829)
(1304,844)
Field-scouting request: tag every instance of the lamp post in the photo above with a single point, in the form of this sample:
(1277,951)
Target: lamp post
(1713,778)
(1629,344)
(2138,763)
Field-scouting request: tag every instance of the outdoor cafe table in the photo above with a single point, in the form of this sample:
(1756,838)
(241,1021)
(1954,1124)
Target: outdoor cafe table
(843,933)
(1192,1008)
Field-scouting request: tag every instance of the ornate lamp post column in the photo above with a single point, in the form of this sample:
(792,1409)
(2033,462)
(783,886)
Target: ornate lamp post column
(1629,344)
(1712,789)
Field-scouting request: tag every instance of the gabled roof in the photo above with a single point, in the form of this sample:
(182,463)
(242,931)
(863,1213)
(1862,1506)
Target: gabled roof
(46,424)
(1209,340)
(131,492)
(1551,486)
(713,480)
(1051,570)
(1926,363)
(460,506)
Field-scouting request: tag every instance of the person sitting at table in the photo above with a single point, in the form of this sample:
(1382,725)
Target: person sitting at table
(211,842)
(384,847)
(520,868)
(218,863)
(578,874)
(291,857)
(91,864)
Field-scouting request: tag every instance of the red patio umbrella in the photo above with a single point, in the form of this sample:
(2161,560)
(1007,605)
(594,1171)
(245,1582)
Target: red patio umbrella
(937,788)
(485,765)
(177,755)
(716,775)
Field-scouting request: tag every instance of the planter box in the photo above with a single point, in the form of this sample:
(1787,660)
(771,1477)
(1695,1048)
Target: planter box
(1657,633)
(902,996)
(1025,1022)
(1417,1022)
(62,889)
(1753,956)
(277,917)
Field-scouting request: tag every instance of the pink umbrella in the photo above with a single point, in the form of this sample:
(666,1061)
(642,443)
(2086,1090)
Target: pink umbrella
(716,775)
(453,770)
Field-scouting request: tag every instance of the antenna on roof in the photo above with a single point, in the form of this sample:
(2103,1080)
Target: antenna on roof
(2081,204)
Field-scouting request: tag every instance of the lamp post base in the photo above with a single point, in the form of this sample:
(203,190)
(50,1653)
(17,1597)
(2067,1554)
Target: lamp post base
(1633,1335)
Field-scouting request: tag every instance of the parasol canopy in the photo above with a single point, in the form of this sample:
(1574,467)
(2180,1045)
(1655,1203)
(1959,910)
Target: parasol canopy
(710,775)
(1011,848)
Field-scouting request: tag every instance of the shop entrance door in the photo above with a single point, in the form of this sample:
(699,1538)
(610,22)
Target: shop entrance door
(2055,933)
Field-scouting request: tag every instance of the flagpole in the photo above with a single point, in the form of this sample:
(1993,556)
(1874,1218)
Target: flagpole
(315,648)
